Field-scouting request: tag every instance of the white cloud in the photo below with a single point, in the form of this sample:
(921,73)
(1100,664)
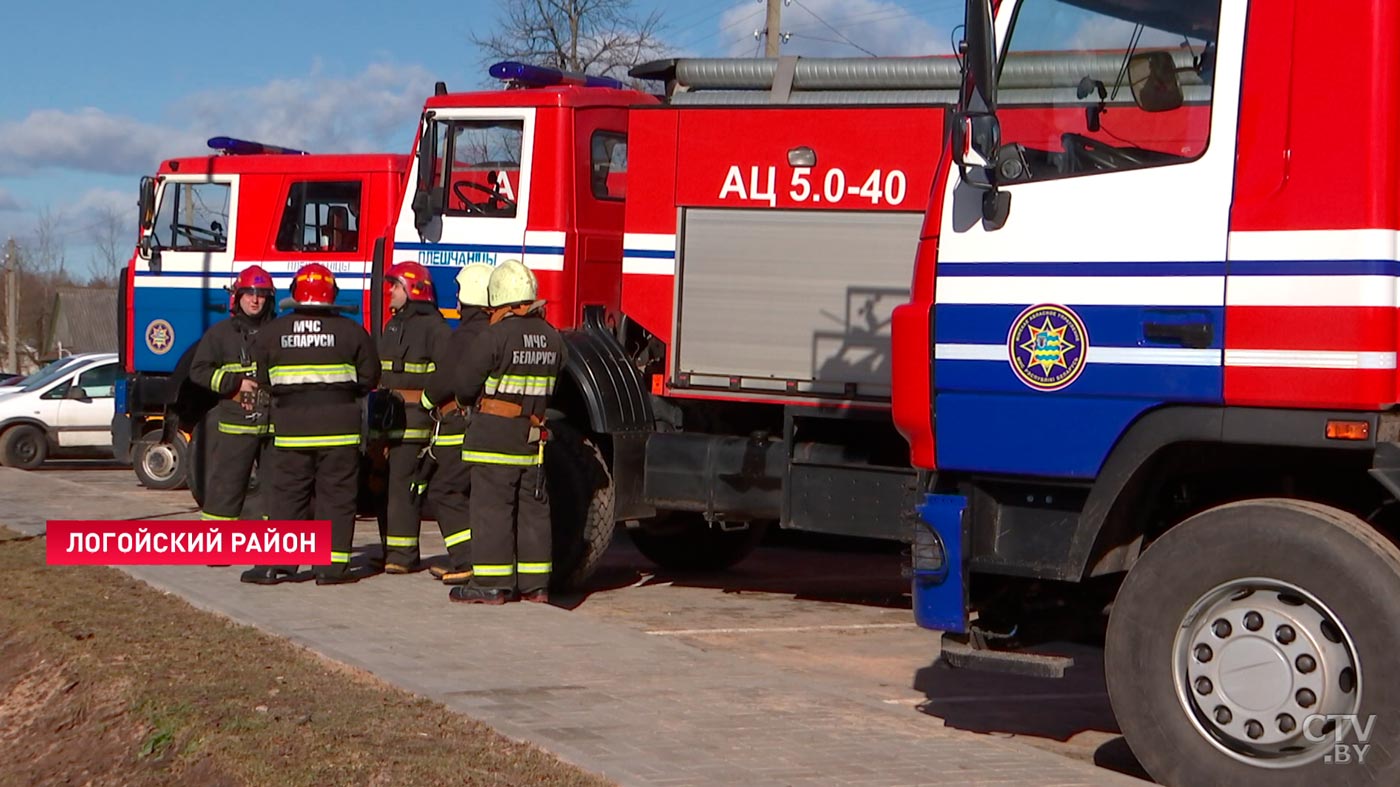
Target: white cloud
(91,202)
(362,112)
(8,202)
(887,28)
(88,140)
(369,111)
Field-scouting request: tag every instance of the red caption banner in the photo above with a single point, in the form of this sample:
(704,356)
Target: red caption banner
(188,543)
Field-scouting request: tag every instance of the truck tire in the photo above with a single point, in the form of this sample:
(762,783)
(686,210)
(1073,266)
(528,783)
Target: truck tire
(686,542)
(580,492)
(23,447)
(159,464)
(1204,699)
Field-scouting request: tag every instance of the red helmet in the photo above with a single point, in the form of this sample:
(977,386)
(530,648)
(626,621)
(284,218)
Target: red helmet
(250,278)
(314,285)
(254,278)
(415,278)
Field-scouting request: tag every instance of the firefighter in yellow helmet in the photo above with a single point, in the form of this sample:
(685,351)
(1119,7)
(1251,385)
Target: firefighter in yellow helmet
(508,377)
(449,486)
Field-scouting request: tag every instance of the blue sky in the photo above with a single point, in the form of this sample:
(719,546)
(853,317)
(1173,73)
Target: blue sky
(97,92)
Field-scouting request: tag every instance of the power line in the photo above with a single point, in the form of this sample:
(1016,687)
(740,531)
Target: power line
(842,35)
(726,28)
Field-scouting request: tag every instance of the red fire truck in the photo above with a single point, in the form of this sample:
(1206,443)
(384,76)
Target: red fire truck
(1147,372)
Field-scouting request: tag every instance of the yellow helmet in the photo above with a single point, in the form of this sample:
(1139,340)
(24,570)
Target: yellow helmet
(512,283)
(472,281)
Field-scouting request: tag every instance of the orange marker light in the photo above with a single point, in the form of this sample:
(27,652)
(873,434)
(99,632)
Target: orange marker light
(658,386)
(1348,430)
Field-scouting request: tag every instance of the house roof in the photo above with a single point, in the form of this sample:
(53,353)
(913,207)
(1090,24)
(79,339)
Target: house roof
(84,321)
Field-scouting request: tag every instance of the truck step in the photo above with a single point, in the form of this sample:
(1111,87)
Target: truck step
(961,655)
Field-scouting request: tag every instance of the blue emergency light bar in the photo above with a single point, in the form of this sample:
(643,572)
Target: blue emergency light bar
(543,76)
(242,147)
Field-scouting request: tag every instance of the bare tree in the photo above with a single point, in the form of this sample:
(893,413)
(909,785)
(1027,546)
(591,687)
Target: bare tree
(109,232)
(42,270)
(50,249)
(588,36)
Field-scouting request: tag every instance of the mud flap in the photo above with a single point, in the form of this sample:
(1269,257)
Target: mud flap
(939,581)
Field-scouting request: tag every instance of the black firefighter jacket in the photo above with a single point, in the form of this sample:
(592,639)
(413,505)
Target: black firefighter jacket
(516,361)
(318,363)
(410,349)
(442,385)
(222,361)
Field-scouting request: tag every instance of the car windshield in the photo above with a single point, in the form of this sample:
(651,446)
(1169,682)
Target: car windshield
(48,374)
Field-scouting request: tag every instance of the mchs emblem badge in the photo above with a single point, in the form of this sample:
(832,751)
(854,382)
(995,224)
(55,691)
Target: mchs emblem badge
(1048,345)
(160,337)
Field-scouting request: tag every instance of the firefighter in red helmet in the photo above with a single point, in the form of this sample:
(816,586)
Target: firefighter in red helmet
(318,364)
(410,347)
(236,427)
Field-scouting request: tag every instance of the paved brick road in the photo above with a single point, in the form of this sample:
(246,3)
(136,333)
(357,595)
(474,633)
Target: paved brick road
(639,709)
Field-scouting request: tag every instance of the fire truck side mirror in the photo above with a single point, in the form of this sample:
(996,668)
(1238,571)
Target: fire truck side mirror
(149,252)
(1153,77)
(428,196)
(980,60)
(147,202)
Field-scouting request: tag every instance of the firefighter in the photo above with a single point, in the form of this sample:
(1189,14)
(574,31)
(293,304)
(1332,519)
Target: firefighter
(508,376)
(450,485)
(236,428)
(317,364)
(415,336)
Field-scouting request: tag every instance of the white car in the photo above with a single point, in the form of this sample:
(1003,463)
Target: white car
(63,410)
(46,372)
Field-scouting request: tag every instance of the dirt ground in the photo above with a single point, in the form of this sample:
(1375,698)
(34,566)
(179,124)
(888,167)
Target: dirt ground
(106,681)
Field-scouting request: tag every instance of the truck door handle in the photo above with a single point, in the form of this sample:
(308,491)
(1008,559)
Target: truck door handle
(1186,334)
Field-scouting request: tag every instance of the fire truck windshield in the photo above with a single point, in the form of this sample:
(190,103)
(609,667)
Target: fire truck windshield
(192,217)
(1099,85)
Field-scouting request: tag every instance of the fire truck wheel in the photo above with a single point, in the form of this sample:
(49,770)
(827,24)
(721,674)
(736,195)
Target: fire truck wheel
(159,464)
(686,542)
(23,447)
(580,492)
(1254,644)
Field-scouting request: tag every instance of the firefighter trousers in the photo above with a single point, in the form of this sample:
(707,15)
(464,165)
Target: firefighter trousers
(227,465)
(320,484)
(400,518)
(511,528)
(450,490)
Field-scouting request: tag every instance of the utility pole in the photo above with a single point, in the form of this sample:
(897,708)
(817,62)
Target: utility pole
(11,307)
(773,28)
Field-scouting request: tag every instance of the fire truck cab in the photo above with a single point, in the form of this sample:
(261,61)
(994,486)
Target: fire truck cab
(204,219)
(1148,374)
(538,173)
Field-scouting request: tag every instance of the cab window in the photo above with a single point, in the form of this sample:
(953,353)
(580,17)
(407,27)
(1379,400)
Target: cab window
(192,217)
(608,171)
(321,216)
(484,158)
(1095,87)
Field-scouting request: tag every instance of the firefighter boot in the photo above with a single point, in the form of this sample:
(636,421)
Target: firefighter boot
(470,594)
(536,596)
(266,575)
(342,578)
